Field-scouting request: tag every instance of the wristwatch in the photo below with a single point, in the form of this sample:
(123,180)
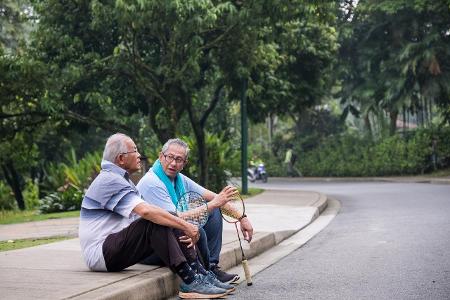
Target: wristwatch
(243,216)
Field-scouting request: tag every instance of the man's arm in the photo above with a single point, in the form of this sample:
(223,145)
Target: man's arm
(218,200)
(160,216)
(246,226)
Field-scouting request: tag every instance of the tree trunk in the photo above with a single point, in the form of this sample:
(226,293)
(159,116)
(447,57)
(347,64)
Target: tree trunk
(430,112)
(393,121)
(201,146)
(404,119)
(202,155)
(368,125)
(13,179)
(425,112)
(162,133)
(270,128)
(198,125)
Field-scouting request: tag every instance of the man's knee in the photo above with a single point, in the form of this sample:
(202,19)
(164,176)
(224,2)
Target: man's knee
(215,220)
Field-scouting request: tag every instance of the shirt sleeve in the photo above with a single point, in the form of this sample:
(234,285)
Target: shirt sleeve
(127,204)
(154,192)
(191,186)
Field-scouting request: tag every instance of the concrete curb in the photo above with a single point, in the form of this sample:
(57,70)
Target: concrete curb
(398,179)
(164,285)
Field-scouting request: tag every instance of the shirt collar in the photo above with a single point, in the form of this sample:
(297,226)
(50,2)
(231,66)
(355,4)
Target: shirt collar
(111,167)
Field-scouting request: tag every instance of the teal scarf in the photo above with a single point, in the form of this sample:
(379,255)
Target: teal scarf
(174,192)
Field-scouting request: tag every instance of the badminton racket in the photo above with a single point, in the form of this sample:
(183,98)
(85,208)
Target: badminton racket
(193,208)
(232,212)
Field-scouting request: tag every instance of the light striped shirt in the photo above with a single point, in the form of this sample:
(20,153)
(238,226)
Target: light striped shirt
(107,208)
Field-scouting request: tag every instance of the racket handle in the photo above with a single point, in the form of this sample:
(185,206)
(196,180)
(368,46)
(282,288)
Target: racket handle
(248,276)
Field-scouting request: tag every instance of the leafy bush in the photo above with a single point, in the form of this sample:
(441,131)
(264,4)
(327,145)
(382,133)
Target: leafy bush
(76,172)
(352,155)
(222,158)
(31,194)
(442,137)
(7,201)
(274,165)
(67,182)
(53,178)
(80,173)
(69,199)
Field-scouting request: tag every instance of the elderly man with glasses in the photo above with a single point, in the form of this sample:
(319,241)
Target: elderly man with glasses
(163,185)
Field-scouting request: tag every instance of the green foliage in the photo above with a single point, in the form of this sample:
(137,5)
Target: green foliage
(259,150)
(67,200)
(22,79)
(159,69)
(296,66)
(14,27)
(222,157)
(395,57)
(6,198)
(53,178)
(31,194)
(73,172)
(79,173)
(274,165)
(351,155)
(69,181)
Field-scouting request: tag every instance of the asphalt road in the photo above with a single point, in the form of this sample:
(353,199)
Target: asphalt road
(389,241)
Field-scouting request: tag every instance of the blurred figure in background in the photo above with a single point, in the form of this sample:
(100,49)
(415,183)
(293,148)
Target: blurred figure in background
(289,161)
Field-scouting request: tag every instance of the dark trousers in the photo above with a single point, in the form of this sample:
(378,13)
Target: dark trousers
(139,240)
(201,251)
(208,246)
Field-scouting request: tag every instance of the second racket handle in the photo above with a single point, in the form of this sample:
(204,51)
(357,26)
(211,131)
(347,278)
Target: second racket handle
(248,275)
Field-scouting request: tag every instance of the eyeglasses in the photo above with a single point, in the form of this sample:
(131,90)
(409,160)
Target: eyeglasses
(134,151)
(170,158)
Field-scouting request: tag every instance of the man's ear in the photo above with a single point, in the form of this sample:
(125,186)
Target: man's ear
(184,164)
(119,160)
(160,157)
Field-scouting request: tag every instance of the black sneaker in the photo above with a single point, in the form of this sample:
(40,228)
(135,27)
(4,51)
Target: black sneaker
(223,276)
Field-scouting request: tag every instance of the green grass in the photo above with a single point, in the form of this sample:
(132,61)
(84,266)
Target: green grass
(440,173)
(17,216)
(19,244)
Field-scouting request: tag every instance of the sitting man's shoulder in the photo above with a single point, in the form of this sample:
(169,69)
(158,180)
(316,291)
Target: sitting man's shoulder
(149,181)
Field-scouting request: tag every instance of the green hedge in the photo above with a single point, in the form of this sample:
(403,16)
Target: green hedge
(66,182)
(351,155)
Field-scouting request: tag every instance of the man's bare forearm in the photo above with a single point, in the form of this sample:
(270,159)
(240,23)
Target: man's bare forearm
(160,216)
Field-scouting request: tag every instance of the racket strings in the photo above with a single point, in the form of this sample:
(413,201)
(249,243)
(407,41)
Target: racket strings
(234,210)
(193,208)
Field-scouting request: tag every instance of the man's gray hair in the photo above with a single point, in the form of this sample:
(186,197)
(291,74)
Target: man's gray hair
(114,146)
(178,142)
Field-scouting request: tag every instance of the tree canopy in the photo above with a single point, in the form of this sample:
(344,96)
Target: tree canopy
(73,72)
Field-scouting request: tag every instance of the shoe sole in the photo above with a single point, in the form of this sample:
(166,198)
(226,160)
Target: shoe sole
(184,295)
(234,280)
(230,291)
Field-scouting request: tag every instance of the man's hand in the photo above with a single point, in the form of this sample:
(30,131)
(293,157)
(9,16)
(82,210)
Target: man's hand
(186,240)
(247,229)
(192,235)
(228,193)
